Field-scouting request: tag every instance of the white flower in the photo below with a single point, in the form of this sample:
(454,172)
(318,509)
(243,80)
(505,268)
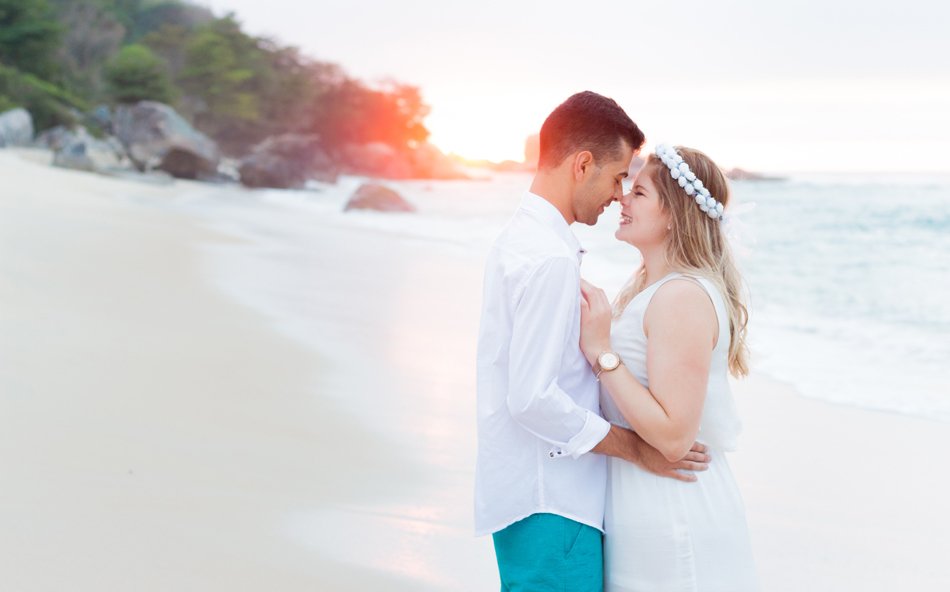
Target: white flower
(687,179)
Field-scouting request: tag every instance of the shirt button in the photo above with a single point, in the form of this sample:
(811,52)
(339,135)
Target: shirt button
(552,455)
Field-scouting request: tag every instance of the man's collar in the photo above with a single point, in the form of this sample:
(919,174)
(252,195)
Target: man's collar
(552,218)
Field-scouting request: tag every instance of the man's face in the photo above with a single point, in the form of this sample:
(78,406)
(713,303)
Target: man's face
(601,186)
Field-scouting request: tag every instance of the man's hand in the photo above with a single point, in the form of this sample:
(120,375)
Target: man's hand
(695,460)
(627,445)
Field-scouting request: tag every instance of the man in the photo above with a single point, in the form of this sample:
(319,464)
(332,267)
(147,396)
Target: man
(541,471)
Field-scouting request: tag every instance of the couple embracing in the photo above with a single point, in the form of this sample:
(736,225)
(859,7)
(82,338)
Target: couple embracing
(602,426)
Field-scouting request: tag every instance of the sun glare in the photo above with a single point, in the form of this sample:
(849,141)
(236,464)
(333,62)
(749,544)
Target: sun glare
(474,146)
(477,137)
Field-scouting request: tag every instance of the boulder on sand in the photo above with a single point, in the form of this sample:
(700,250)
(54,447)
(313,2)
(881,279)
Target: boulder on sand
(371,196)
(287,161)
(156,136)
(16,127)
(79,150)
(376,159)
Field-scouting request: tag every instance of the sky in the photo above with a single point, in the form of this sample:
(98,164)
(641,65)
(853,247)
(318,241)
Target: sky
(810,85)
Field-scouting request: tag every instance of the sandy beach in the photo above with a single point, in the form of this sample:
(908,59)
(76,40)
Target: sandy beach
(161,432)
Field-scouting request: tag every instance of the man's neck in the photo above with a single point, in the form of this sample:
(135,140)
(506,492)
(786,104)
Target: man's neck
(555,191)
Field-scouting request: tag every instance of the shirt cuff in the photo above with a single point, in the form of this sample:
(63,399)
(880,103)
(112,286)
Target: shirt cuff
(595,429)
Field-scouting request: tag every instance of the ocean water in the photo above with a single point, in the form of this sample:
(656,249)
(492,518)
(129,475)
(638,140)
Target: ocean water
(849,275)
(850,278)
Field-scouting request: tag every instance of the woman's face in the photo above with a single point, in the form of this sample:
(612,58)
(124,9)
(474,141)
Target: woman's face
(643,223)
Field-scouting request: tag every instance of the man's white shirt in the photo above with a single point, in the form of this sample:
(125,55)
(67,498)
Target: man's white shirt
(538,400)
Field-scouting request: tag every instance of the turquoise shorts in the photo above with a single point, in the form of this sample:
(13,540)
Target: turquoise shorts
(547,552)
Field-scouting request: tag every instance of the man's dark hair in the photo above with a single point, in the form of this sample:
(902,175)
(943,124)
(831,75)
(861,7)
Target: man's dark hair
(587,121)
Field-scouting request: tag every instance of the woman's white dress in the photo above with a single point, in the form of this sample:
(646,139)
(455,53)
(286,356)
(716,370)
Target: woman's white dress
(667,535)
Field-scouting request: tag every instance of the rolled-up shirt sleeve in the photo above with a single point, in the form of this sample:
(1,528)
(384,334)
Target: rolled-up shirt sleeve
(543,319)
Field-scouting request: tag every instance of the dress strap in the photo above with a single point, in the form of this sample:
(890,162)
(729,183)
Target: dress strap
(722,318)
(652,288)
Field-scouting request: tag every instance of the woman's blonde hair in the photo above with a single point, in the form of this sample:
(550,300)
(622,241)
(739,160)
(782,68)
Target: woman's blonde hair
(697,246)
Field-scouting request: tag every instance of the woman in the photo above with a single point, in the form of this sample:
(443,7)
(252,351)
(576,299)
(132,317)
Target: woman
(677,329)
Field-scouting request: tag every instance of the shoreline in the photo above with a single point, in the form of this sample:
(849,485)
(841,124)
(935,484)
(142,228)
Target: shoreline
(335,445)
(398,261)
(177,433)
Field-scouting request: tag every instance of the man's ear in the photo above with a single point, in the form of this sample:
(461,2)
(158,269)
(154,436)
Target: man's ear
(583,160)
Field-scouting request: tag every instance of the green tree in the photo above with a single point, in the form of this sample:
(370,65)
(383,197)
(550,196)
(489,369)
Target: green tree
(6,104)
(92,37)
(48,104)
(137,74)
(29,36)
(351,112)
(123,12)
(287,90)
(154,16)
(224,74)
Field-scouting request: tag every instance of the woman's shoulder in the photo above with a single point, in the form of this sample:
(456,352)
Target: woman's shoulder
(681,290)
(682,294)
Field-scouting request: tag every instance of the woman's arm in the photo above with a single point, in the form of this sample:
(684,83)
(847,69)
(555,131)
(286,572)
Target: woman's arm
(682,328)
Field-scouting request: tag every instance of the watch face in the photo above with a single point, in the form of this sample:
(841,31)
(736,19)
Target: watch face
(609,361)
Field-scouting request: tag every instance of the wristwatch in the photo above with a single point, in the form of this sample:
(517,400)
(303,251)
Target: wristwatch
(606,362)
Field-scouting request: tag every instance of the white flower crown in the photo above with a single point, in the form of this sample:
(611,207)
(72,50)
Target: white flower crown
(688,180)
